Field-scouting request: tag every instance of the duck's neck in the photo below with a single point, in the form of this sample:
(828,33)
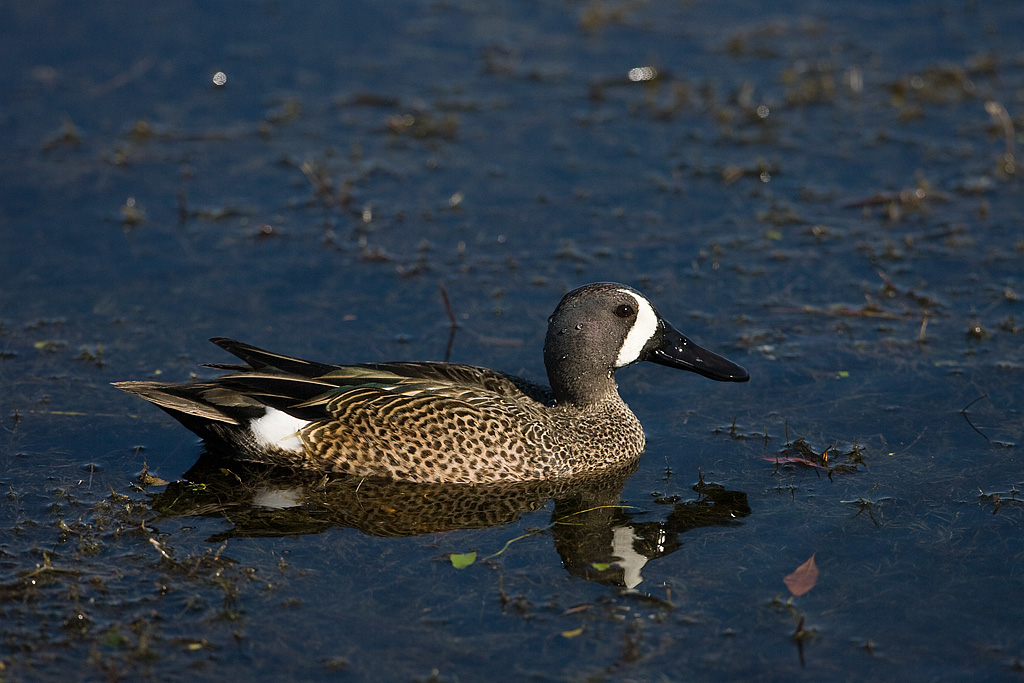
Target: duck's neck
(575,384)
(578,364)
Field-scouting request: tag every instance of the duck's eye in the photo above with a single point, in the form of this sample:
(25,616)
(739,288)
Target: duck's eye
(624,311)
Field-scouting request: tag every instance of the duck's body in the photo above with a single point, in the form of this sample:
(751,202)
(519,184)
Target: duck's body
(444,422)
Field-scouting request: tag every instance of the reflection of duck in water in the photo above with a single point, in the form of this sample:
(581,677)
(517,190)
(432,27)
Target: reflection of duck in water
(612,544)
(597,537)
(443,422)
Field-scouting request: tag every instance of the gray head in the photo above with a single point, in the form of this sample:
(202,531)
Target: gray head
(601,327)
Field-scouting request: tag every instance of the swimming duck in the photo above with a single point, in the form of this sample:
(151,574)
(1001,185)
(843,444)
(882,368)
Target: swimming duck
(445,422)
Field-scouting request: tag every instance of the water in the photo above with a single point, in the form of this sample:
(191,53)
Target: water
(824,192)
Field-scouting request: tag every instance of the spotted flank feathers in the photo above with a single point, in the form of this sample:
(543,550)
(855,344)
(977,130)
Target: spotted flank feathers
(445,422)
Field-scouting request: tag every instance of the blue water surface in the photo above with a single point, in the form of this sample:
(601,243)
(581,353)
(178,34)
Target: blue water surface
(828,193)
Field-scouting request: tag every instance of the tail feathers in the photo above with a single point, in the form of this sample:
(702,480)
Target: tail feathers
(196,405)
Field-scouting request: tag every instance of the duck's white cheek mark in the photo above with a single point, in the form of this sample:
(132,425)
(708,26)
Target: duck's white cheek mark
(623,539)
(643,329)
(277,499)
(278,429)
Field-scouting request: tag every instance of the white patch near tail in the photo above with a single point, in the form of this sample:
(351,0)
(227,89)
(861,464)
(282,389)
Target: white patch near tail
(643,329)
(278,429)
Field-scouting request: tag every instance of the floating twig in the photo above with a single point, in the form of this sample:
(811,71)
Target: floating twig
(964,413)
(921,336)
(1002,119)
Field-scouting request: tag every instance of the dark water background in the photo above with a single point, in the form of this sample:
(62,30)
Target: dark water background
(828,193)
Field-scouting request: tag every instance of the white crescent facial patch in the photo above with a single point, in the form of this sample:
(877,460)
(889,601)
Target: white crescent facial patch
(643,329)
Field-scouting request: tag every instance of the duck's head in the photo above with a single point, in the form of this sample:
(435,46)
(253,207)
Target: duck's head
(601,327)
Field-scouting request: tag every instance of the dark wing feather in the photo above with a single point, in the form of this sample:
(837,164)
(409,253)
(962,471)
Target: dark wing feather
(286,393)
(259,359)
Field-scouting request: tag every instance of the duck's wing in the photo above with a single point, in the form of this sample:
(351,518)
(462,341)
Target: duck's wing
(261,360)
(460,375)
(326,396)
(315,391)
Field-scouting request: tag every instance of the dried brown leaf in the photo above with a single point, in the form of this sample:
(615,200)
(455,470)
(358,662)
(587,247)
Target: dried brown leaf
(803,578)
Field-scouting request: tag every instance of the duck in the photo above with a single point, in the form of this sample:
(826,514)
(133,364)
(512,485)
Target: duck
(440,422)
